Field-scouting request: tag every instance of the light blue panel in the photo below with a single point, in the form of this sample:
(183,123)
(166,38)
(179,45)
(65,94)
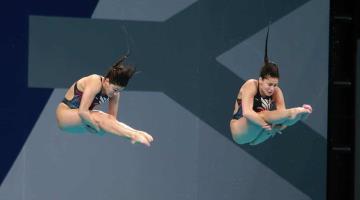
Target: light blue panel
(55,165)
(141,10)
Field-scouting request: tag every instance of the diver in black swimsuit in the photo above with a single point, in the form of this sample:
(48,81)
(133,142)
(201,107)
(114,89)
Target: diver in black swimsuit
(76,112)
(260,110)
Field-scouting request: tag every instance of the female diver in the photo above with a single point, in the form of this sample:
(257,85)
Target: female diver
(76,114)
(260,110)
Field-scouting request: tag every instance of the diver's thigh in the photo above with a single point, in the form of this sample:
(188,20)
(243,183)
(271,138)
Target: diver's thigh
(244,131)
(69,119)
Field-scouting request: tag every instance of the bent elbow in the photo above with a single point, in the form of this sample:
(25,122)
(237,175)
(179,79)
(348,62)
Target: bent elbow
(82,113)
(247,115)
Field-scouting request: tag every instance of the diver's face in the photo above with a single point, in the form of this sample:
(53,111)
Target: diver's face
(112,89)
(267,85)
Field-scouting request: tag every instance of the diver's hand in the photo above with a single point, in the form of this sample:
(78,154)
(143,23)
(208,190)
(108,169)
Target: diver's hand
(277,128)
(140,137)
(147,135)
(267,127)
(308,107)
